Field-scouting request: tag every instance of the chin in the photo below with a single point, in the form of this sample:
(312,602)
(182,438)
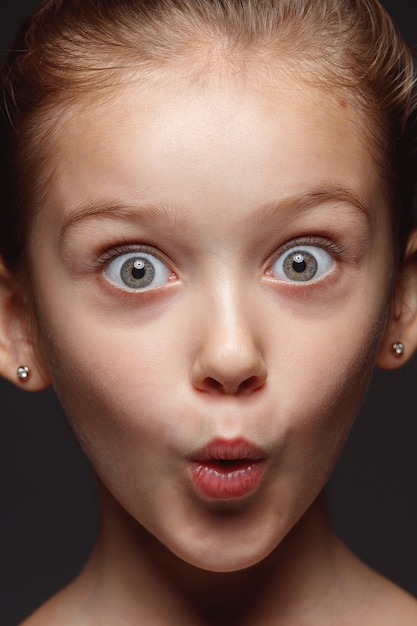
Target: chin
(226,563)
(227,566)
(223,556)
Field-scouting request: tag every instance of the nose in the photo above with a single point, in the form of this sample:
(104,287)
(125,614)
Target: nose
(229,358)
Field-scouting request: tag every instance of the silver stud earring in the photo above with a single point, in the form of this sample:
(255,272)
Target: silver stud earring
(23,373)
(398,348)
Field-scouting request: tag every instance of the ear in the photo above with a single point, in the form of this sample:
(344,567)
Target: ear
(17,346)
(402,325)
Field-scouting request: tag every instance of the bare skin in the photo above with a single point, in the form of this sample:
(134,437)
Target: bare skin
(311,579)
(218,187)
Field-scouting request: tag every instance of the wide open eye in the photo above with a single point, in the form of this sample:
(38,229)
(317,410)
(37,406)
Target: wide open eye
(302,264)
(137,271)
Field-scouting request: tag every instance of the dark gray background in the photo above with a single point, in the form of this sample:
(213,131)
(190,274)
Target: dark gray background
(48,505)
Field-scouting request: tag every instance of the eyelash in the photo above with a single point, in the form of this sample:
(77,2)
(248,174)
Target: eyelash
(312,240)
(118,250)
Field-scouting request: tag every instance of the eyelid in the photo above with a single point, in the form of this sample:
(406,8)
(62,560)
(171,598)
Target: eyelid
(119,249)
(318,241)
(323,245)
(111,261)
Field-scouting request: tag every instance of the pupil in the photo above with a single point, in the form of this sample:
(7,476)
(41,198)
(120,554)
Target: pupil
(138,269)
(299,263)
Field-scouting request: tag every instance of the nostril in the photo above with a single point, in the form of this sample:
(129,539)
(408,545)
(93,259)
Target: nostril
(250,384)
(214,384)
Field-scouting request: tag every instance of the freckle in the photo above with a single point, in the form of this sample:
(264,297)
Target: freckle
(341,102)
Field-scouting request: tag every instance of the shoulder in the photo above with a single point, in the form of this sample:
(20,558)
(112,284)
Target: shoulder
(364,596)
(386,604)
(66,608)
(395,607)
(55,611)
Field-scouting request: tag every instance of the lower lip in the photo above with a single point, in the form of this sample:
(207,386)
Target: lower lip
(226,481)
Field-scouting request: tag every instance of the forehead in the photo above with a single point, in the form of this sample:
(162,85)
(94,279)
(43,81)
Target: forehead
(155,141)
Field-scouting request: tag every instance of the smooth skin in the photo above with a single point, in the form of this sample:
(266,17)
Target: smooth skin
(214,184)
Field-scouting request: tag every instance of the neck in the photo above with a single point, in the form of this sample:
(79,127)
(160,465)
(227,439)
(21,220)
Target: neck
(131,569)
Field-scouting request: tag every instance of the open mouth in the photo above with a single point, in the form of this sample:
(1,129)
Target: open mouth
(227,469)
(230,463)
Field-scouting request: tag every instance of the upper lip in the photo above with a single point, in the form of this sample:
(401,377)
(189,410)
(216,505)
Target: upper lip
(228,450)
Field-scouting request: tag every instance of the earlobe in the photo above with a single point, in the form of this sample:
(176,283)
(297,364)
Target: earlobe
(400,340)
(17,352)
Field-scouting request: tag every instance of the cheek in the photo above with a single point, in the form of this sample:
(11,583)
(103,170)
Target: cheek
(312,422)
(113,401)
(322,380)
(122,387)
(105,380)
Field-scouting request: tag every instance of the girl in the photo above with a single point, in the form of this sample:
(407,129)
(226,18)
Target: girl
(206,246)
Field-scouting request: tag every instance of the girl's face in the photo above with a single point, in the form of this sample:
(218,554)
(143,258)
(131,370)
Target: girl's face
(212,269)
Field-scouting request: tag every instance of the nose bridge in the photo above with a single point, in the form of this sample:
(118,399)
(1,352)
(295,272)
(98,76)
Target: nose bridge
(229,357)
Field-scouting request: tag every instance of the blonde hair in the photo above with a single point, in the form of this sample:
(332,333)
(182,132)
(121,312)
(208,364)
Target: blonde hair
(71,48)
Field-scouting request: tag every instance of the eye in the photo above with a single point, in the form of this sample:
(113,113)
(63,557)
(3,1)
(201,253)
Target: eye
(302,264)
(137,271)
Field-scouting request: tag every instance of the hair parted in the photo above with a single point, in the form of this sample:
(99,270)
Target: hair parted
(71,49)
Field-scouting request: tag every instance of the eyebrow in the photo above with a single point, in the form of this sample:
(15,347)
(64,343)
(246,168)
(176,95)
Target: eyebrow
(122,212)
(314,198)
(162,214)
